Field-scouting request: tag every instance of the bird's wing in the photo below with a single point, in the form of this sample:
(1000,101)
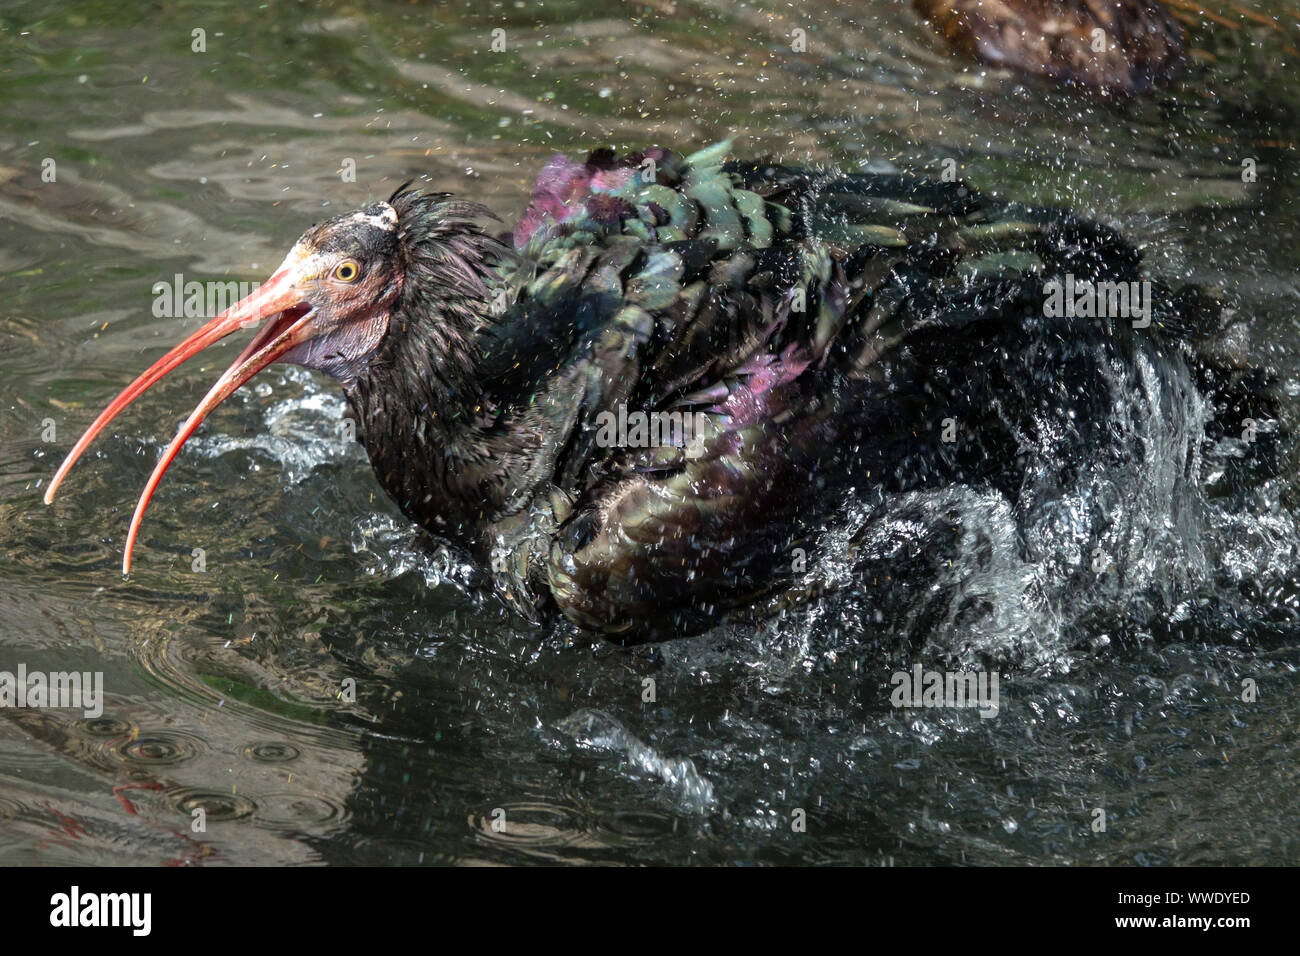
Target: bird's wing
(777,312)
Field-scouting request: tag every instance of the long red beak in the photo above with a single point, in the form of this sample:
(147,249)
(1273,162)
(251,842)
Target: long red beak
(276,297)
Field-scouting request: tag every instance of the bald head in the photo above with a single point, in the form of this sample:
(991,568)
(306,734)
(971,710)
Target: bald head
(367,234)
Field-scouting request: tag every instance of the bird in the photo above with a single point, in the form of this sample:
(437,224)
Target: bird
(803,333)
(1114,46)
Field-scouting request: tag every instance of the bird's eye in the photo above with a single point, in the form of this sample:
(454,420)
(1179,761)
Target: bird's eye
(347,270)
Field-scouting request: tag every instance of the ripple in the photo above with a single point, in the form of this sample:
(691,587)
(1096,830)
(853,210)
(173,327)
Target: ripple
(290,811)
(159,748)
(635,828)
(219,807)
(528,824)
(176,663)
(204,670)
(61,736)
(271,752)
(10,808)
(102,727)
(30,758)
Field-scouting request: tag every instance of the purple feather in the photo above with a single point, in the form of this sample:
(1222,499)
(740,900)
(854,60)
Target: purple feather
(746,404)
(570,194)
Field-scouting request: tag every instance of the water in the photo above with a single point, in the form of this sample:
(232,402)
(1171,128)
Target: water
(326,692)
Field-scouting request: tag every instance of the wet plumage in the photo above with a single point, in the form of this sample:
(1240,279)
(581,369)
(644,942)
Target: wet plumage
(824,325)
(830,333)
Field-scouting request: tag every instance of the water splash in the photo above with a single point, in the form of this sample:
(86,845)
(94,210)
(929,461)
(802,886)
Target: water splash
(391,550)
(302,432)
(598,730)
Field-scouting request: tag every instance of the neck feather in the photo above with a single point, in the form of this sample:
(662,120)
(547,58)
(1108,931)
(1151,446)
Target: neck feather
(419,400)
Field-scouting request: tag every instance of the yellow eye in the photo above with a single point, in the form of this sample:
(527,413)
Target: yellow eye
(347,271)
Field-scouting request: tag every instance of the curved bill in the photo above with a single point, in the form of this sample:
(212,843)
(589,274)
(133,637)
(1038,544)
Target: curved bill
(290,326)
